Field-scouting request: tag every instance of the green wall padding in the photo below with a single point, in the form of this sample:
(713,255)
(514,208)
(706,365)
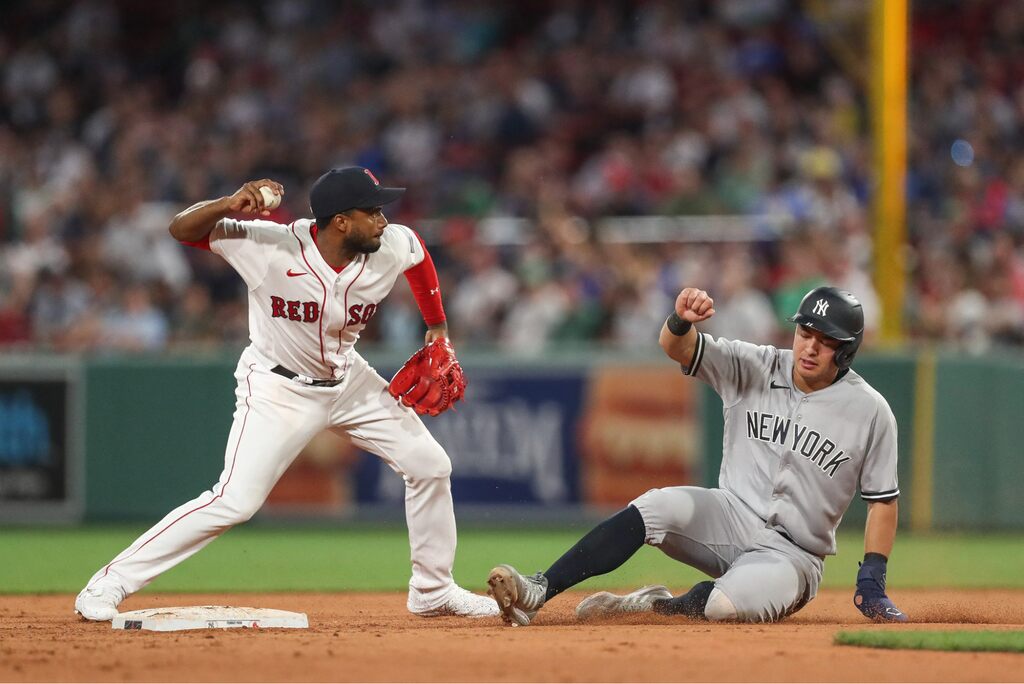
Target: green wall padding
(979,451)
(155,434)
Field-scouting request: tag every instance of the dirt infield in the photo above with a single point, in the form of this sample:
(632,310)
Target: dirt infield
(370,637)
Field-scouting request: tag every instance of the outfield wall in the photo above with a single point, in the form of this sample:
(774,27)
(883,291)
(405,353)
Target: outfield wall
(129,439)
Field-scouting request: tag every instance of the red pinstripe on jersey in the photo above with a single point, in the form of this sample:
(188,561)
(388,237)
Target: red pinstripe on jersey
(323,304)
(345,310)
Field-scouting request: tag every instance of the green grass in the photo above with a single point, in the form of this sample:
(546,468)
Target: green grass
(936,641)
(372,558)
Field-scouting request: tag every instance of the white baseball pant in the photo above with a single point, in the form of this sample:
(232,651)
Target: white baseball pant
(275,417)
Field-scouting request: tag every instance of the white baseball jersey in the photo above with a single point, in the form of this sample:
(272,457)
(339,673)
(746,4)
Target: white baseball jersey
(303,314)
(797,459)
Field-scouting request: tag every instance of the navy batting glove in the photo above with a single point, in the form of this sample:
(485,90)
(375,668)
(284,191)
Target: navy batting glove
(870,596)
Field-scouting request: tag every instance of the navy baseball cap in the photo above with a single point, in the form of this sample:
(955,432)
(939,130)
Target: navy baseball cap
(348,187)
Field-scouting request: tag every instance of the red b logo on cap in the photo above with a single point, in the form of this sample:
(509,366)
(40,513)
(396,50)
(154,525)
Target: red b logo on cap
(372,177)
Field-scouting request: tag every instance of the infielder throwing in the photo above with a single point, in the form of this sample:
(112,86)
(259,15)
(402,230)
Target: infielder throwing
(802,432)
(313,286)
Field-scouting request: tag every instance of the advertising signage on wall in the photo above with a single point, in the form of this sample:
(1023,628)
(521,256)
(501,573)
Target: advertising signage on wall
(511,441)
(37,446)
(597,436)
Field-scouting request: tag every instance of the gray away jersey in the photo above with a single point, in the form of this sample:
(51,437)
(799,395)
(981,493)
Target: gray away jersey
(797,459)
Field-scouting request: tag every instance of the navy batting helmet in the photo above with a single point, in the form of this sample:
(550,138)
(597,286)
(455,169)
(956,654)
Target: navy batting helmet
(835,313)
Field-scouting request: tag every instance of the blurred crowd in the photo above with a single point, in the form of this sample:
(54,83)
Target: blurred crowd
(558,114)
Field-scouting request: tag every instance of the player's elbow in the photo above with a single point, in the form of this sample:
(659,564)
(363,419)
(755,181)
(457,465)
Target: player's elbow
(185,227)
(666,340)
(178,230)
(181,231)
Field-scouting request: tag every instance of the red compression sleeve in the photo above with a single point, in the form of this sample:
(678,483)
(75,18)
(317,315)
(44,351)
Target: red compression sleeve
(425,288)
(201,244)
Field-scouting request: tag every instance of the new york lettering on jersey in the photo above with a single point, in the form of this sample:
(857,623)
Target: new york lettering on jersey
(798,438)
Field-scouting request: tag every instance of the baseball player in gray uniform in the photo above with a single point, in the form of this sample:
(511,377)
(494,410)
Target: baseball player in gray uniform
(802,432)
(313,286)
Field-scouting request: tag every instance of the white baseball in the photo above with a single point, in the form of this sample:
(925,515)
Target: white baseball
(271,200)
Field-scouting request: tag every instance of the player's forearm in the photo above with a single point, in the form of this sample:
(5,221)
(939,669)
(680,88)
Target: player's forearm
(196,222)
(880,530)
(426,289)
(678,337)
(679,348)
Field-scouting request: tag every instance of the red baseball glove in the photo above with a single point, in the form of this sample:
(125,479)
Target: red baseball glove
(431,380)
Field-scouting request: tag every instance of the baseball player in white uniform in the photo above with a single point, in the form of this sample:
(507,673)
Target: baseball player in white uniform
(802,432)
(313,286)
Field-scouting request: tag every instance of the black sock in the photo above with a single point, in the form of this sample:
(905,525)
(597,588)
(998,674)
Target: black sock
(601,550)
(691,604)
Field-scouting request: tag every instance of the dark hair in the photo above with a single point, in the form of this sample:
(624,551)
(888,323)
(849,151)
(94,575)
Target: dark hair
(322,221)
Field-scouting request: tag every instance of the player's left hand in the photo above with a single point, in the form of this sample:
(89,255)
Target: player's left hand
(870,596)
(431,380)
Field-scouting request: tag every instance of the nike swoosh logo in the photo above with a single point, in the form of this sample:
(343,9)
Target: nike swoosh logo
(291,274)
(774,386)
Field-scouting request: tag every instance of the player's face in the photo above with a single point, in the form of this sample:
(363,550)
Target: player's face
(365,230)
(814,358)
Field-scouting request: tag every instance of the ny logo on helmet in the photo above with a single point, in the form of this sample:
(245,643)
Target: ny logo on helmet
(820,307)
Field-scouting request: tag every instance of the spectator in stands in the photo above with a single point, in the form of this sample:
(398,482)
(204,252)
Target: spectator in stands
(559,116)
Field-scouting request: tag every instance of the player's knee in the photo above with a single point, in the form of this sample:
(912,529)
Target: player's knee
(719,608)
(648,498)
(239,509)
(651,501)
(428,461)
(662,510)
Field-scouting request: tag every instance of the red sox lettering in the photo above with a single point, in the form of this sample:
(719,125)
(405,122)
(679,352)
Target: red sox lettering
(361,313)
(294,310)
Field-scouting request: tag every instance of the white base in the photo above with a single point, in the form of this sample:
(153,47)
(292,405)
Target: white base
(208,617)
